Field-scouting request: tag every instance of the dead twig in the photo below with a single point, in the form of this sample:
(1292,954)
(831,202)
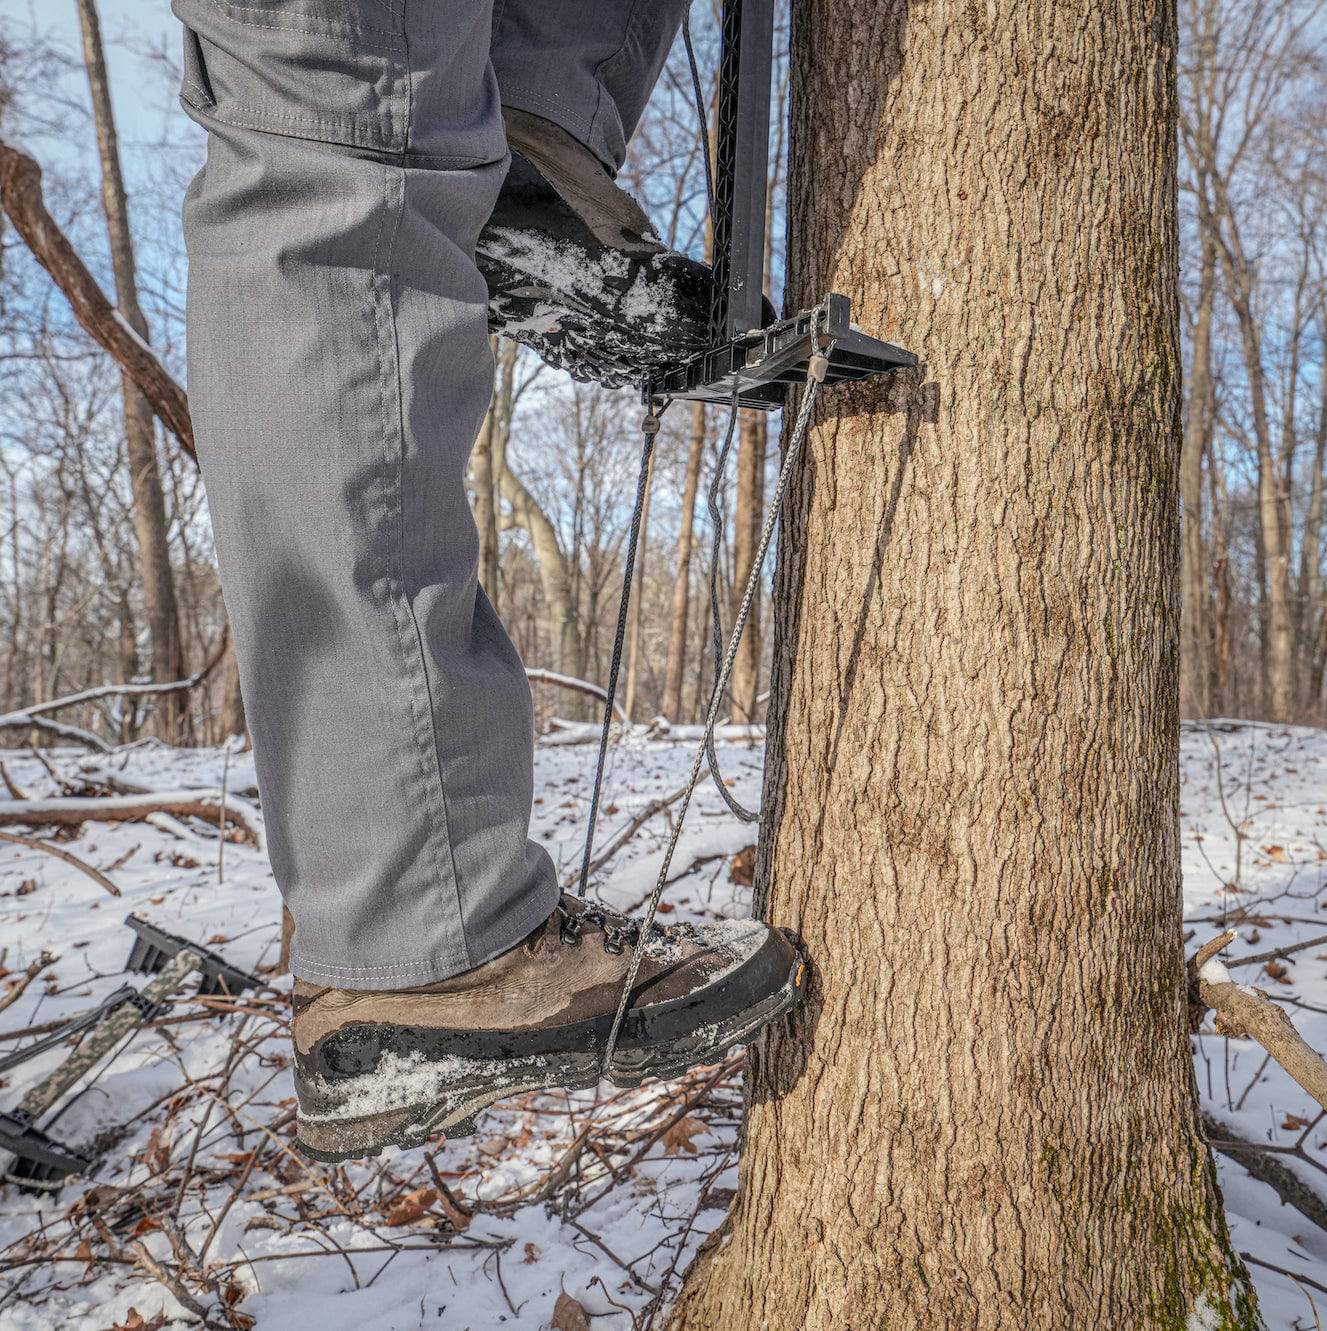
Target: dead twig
(17,987)
(60,854)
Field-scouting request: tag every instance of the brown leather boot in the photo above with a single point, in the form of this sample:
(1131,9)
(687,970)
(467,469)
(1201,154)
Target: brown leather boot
(395,1068)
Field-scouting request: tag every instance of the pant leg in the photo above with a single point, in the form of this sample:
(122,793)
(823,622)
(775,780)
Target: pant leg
(339,369)
(588,65)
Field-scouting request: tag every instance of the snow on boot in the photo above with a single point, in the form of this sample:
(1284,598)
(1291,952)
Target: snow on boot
(374,1069)
(607,313)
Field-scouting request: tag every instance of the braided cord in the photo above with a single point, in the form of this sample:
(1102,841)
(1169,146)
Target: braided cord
(791,453)
(649,430)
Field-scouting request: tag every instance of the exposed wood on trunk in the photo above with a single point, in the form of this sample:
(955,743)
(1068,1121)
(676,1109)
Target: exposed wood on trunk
(986,1116)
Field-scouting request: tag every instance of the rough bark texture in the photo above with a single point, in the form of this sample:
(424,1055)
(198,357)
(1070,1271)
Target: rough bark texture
(985,1116)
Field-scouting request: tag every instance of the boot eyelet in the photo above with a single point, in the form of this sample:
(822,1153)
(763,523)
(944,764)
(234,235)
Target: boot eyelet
(612,941)
(570,932)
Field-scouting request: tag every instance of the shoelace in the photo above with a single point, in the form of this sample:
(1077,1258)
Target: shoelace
(618,932)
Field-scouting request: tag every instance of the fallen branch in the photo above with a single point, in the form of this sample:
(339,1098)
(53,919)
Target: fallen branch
(61,728)
(34,969)
(1276,953)
(574,685)
(1266,1168)
(1243,1011)
(21,197)
(25,716)
(69,811)
(61,854)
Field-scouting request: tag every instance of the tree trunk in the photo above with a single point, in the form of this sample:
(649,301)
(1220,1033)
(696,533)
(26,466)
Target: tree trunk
(555,568)
(150,525)
(1274,537)
(747,522)
(634,645)
(483,475)
(1308,609)
(1195,627)
(681,606)
(232,701)
(1221,589)
(985,1116)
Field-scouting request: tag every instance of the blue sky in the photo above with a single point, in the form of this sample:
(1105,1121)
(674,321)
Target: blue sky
(125,24)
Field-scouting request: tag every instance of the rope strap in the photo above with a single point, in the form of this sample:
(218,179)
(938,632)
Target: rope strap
(819,364)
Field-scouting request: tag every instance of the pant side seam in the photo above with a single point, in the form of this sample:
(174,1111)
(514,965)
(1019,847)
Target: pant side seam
(432,792)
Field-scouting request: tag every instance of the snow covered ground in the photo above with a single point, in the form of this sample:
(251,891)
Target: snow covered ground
(562,1206)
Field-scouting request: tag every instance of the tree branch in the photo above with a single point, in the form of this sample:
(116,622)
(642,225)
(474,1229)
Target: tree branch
(1245,1012)
(21,197)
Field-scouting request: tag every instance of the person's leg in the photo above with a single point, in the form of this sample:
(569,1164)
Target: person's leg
(338,371)
(587,65)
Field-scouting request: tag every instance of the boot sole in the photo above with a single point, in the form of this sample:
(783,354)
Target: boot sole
(452,1108)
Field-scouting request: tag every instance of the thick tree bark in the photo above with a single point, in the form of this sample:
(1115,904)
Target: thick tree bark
(985,1117)
(681,606)
(747,521)
(150,525)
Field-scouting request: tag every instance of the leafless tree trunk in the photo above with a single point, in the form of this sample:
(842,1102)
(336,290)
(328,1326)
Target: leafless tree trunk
(634,642)
(140,431)
(681,605)
(483,477)
(747,521)
(1195,636)
(985,1116)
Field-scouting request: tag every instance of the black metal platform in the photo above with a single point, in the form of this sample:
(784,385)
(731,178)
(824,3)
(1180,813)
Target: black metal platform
(765,361)
(768,361)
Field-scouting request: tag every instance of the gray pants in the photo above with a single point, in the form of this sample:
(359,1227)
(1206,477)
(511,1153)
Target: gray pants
(339,369)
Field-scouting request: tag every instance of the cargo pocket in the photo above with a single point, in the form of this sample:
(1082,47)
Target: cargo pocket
(330,70)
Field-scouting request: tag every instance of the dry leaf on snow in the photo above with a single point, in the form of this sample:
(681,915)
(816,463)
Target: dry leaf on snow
(568,1315)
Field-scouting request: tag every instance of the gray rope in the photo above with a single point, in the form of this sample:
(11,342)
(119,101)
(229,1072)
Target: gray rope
(650,429)
(716,631)
(819,364)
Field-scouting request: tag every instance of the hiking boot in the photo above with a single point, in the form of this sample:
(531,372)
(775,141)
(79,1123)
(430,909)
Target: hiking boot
(575,270)
(395,1068)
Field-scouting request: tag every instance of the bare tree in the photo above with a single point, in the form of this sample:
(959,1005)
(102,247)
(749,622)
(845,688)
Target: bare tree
(140,430)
